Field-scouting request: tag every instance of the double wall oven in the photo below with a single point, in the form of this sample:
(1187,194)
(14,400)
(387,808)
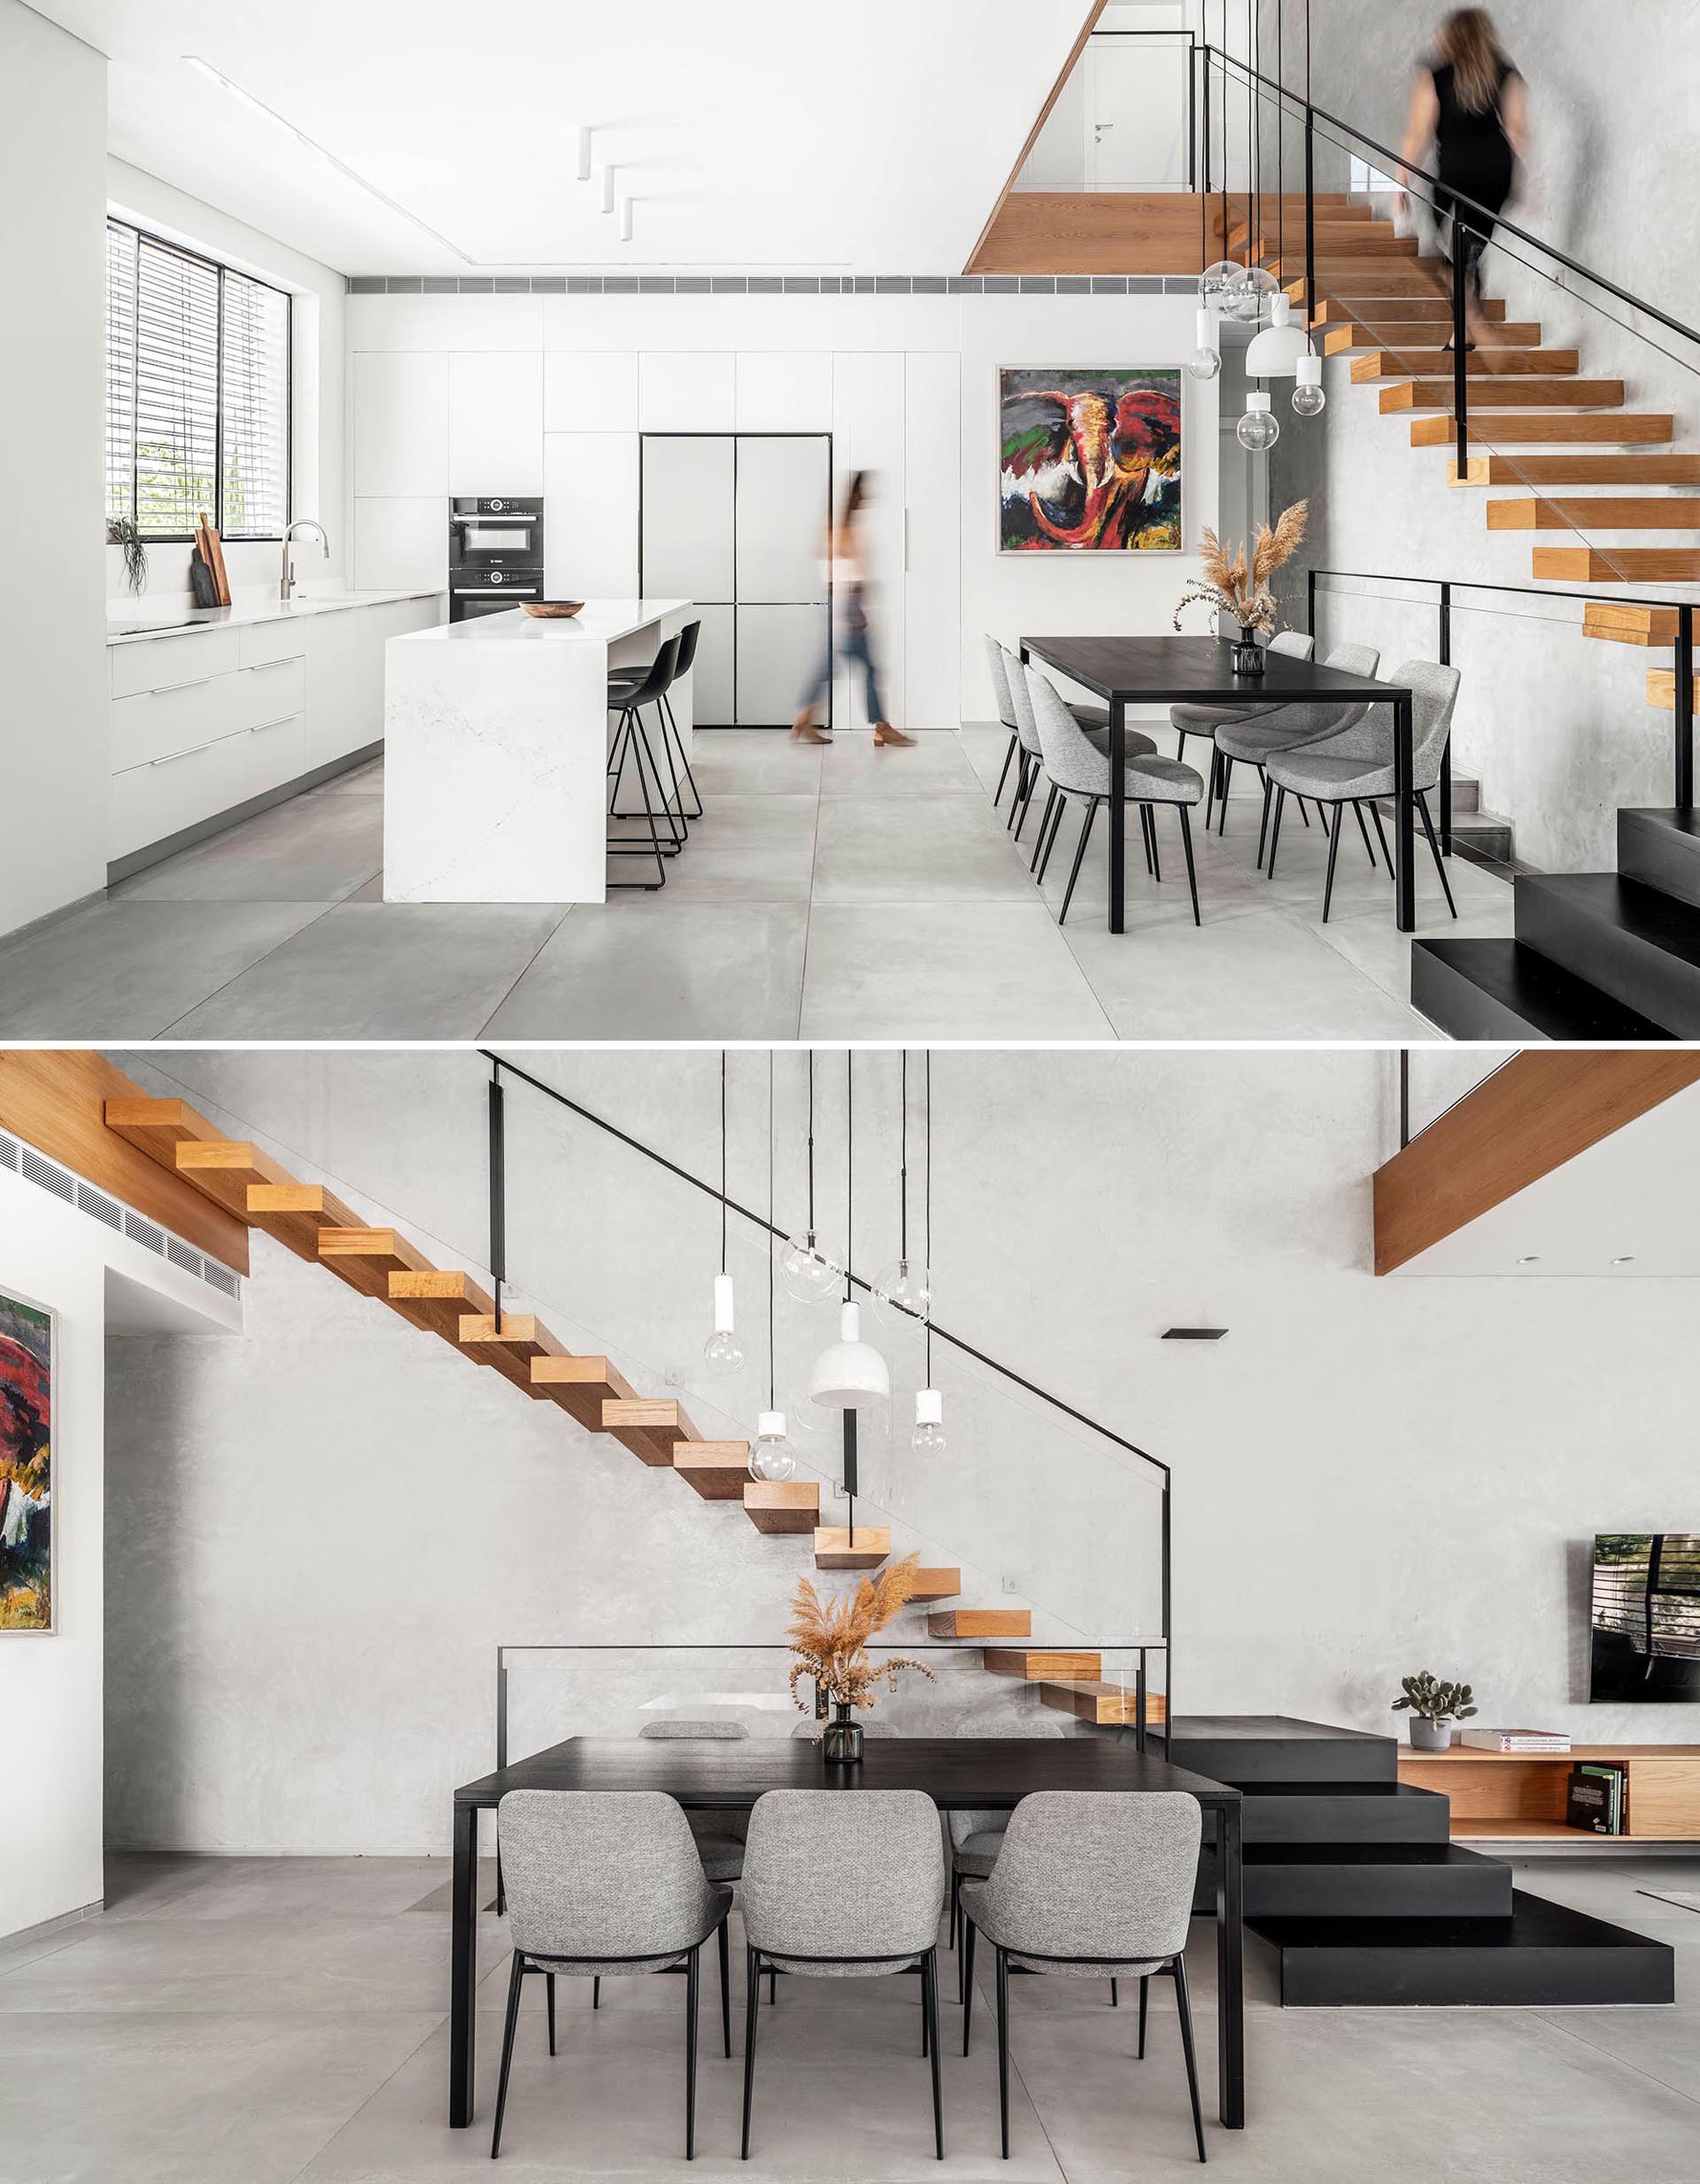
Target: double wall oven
(495,555)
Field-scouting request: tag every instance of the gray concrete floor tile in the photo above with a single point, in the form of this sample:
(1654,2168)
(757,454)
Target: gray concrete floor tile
(914,849)
(935,764)
(317,848)
(944,970)
(754,761)
(381,970)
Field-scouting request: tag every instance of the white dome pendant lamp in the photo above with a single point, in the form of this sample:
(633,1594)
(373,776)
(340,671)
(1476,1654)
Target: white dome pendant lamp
(723,1353)
(927,1439)
(772,1459)
(1275,350)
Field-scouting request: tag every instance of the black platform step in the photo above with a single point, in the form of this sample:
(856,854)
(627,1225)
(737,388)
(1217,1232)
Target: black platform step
(1544,1955)
(1504,990)
(1661,849)
(1642,946)
(1402,1881)
(1249,1749)
(1344,1812)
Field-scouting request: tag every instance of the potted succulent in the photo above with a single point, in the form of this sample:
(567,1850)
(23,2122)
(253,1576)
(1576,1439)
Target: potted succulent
(121,531)
(1434,1707)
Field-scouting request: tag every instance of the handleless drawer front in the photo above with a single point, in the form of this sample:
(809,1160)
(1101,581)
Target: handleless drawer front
(171,662)
(157,724)
(271,692)
(262,642)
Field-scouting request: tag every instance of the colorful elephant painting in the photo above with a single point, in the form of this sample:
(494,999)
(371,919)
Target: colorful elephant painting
(1090,461)
(26,1467)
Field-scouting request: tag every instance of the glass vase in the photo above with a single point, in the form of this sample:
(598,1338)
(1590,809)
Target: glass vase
(842,1740)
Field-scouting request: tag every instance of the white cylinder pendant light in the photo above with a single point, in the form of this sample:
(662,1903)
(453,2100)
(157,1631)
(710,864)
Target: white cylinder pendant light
(1274,352)
(608,188)
(928,1438)
(1259,428)
(849,1374)
(724,1352)
(1309,399)
(625,219)
(584,155)
(1206,359)
(771,1456)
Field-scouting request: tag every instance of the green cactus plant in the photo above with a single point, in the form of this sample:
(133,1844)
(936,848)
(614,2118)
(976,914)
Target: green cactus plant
(1434,1700)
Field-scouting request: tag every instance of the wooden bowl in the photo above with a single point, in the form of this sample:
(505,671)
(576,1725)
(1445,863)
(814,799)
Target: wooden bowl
(552,610)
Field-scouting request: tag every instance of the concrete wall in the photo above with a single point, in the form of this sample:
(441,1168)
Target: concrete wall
(53,657)
(1370,1477)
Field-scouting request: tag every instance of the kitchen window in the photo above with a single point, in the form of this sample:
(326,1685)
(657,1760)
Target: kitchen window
(197,392)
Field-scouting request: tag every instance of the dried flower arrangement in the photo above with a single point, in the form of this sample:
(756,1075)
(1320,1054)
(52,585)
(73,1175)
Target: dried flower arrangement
(1233,587)
(829,1638)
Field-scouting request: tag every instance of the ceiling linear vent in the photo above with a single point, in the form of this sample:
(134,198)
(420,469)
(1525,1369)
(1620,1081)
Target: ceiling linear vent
(1193,1334)
(774,284)
(35,1167)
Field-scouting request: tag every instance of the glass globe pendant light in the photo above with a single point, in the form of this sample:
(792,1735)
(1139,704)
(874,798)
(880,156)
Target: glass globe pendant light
(1206,359)
(807,1272)
(1249,296)
(1308,400)
(723,1353)
(1215,282)
(772,1458)
(1259,428)
(903,1290)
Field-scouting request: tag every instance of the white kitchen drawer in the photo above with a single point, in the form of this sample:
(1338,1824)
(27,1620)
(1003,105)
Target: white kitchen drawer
(149,802)
(262,642)
(265,758)
(171,662)
(266,693)
(154,723)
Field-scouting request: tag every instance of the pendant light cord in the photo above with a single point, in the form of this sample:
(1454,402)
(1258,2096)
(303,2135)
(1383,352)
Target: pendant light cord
(849,1167)
(903,1163)
(723,1160)
(769,1227)
(811,1148)
(929,1215)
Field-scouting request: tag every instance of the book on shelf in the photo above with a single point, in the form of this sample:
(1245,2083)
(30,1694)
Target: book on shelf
(1516,1739)
(1598,1798)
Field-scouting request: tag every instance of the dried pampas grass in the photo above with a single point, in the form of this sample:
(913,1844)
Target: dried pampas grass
(1230,585)
(829,1637)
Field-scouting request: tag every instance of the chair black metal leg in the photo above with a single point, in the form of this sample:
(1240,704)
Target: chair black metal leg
(926,2025)
(1033,772)
(1080,851)
(956,1907)
(515,1979)
(1211,781)
(679,825)
(1051,803)
(549,2005)
(1381,836)
(1262,831)
(752,2001)
(1003,2047)
(968,1978)
(1145,1999)
(684,760)
(1227,783)
(1157,859)
(930,2004)
(639,745)
(1428,829)
(501,1890)
(1115,1993)
(1057,822)
(1369,848)
(1305,815)
(725,1989)
(1333,851)
(1275,830)
(1185,2000)
(661,810)
(1023,762)
(691,1968)
(1145,834)
(773,1985)
(1013,745)
(1181,745)
(1187,844)
(596,1993)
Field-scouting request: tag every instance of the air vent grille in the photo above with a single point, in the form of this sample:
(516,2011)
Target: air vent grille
(21,1159)
(49,1176)
(774,284)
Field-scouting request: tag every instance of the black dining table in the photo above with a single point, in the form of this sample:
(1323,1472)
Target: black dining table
(1199,670)
(956,1772)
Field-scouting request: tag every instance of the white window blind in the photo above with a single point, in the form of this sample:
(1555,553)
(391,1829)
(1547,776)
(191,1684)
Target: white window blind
(197,392)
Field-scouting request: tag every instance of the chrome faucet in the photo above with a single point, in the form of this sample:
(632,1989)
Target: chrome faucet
(286,588)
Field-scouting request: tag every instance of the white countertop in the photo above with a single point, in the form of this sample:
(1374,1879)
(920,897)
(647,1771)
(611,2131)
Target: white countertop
(177,622)
(598,622)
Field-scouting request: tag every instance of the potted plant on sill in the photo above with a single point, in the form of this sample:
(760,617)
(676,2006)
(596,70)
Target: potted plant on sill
(1240,590)
(830,1638)
(1434,1707)
(121,531)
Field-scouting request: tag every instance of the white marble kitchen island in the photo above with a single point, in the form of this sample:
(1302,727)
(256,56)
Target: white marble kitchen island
(495,748)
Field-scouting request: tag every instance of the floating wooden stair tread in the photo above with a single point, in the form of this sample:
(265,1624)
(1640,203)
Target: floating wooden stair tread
(297,1214)
(649,1426)
(1626,469)
(1415,363)
(1111,1705)
(1509,392)
(1416,345)
(1598,512)
(836,1548)
(581,1386)
(1629,625)
(510,1347)
(157,1127)
(367,1258)
(226,1169)
(719,1470)
(1661,688)
(1624,427)
(783,1505)
(981,1623)
(1036,1665)
(936,1584)
(1621,565)
(1330,311)
(437,1299)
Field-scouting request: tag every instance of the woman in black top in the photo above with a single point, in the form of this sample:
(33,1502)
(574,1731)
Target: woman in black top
(1472,105)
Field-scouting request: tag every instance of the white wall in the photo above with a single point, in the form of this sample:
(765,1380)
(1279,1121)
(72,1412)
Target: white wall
(1370,1477)
(318,367)
(53,658)
(447,396)
(51,1683)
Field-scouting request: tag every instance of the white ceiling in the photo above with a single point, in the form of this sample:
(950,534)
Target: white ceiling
(1634,1198)
(777,134)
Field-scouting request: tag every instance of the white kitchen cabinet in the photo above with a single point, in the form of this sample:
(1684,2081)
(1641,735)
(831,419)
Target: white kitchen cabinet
(590,390)
(153,725)
(933,557)
(687,390)
(589,514)
(784,391)
(345,675)
(401,545)
(496,424)
(401,424)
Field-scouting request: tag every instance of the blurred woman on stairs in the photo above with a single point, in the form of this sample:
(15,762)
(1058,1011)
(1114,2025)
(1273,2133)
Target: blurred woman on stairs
(1472,106)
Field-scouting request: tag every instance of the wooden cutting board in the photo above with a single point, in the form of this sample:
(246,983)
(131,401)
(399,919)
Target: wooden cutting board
(212,553)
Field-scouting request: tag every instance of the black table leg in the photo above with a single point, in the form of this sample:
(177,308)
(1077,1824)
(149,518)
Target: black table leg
(1117,809)
(1230,1969)
(463,1968)
(1403,819)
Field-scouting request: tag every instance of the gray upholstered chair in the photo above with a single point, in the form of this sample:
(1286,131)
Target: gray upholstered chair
(1091,720)
(977,1832)
(1205,720)
(871,1725)
(600,1885)
(843,1885)
(719,1835)
(1357,764)
(1285,727)
(1079,769)
(1051,1906)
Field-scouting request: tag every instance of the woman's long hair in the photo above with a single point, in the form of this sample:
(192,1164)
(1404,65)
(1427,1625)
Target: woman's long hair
(1469,45)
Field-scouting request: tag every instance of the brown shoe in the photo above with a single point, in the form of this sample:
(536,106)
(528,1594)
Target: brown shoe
(884,733)
(804,730)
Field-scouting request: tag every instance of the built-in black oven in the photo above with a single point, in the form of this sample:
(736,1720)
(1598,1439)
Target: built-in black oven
(495,555)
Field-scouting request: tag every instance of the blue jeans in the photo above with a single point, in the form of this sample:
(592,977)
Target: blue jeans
(852,645)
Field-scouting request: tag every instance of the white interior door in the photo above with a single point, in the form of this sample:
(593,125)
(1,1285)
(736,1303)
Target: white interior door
(688,517)
(781,513)
(779,651)
(1136,115)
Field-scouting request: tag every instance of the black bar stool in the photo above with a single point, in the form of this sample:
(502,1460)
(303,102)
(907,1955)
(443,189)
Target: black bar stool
(631,740)
(626,679)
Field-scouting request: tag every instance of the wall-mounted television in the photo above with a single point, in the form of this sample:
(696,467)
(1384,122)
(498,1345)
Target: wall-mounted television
(1644,1623)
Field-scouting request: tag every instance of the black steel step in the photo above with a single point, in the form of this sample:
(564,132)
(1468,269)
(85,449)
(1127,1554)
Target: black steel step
(1368,1880)
(1639,946)
(1505,989)
(1344,1812)
(1661,849)
(1544,1955)
(1254,1748)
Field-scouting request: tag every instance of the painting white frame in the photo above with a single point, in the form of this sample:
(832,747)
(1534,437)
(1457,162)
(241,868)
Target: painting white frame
(1092,556)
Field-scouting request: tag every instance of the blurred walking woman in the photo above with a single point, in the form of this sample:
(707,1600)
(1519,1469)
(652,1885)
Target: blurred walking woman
(1471,103)
(848,573)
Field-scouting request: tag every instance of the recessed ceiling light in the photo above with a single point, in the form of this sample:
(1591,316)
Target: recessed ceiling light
(259,105)
(1531,1259)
